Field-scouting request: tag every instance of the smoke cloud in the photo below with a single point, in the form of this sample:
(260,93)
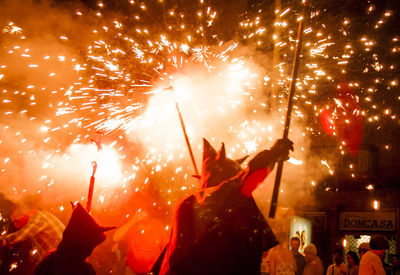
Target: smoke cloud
(225,101)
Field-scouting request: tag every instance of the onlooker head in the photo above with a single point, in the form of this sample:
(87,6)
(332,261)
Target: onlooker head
(338,258)
(338,267)
(310,252)
(379,244)
(314,264)
(363,248)
(295,244)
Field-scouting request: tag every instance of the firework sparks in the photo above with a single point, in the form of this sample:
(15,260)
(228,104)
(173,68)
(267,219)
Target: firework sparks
(114,82)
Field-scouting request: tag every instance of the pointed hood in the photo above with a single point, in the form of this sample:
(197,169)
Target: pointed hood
(82,234)
(216,167)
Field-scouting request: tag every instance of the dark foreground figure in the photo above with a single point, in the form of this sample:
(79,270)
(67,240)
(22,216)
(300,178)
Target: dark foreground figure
(80,237)
(220,230)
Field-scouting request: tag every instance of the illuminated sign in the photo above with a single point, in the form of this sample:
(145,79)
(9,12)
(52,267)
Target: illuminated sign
(367,221)
(301,228)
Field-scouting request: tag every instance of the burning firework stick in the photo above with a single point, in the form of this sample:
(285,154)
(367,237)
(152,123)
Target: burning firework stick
(186,138)
(92,178)
(91,187)
(274,200)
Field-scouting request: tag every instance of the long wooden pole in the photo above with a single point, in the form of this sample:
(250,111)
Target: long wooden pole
(274,200)
(186,138)
(276,57)
(170,88)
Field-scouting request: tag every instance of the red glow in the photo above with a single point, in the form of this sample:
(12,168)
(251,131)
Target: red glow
(147,238)
(349,123)
(327,122)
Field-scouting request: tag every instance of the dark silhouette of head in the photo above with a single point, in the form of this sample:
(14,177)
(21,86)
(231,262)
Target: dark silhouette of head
(378,242)
(81,235)
(216,167)
(338,258)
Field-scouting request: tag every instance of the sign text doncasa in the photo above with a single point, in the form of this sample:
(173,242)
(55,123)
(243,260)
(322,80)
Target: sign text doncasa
(367,221)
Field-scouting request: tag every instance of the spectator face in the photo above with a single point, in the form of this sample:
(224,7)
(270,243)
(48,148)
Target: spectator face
(295,244)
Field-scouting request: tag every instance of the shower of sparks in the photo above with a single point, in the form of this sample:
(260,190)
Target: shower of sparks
(12,29)
(114,83)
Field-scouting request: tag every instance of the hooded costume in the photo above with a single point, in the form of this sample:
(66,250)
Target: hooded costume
(220,229)
(80,237)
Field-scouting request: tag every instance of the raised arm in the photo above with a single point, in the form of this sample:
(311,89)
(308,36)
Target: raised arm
(263,163)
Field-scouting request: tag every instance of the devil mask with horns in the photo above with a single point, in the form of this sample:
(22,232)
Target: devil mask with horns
(220,229)
(216,167)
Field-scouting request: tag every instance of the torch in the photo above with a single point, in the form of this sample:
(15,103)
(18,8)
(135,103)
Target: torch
(292,89)
(92,178)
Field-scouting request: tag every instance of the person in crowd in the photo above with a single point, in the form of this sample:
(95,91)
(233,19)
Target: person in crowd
(79,238)
(363,248)
(353,261)
(220,230)
(282,261)
(371,261)
(41,228)
(314,264)
(145,237)
(396,265)
(300,259)
(338,267)
(14,259)
(265,261)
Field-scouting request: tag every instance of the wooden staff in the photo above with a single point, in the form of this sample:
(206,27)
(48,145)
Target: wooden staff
(274,201)
(186,138)
(170,88)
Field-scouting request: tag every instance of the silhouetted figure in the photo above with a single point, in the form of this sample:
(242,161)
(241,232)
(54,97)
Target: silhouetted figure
(300,259)
(371,262)
(146,237)
(282,261)
(14,259)
(80,237)
(220,230)
(314,264)
(338,267)
(396,265)
(37,232)
(352,259)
